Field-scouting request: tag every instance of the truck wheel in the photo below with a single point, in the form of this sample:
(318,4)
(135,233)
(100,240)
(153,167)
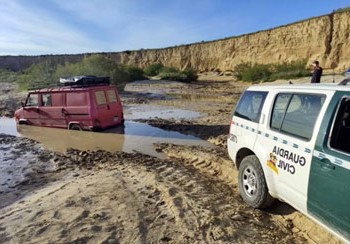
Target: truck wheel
(75,127)
(252,185)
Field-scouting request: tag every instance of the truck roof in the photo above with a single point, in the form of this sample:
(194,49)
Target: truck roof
(303,87)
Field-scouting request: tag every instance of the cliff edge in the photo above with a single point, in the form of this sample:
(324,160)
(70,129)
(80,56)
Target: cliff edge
(325,38)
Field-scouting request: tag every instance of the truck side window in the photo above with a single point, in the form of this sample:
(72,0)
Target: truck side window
(250,105)
(296,114)
(340,135)
(32,100)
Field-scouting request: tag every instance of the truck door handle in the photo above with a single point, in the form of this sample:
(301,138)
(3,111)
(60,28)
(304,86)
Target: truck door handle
(326,164)
(108,107)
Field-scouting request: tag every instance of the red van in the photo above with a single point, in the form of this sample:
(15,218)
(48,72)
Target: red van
(80,103)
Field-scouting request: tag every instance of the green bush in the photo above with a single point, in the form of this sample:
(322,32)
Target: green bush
(177,76)
(8,75)
(153,69)
(47,74)
(270,72)
(171,73)
(191,74)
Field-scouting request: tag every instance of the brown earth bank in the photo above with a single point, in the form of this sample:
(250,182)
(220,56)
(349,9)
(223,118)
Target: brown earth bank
(104,197)
(325,38)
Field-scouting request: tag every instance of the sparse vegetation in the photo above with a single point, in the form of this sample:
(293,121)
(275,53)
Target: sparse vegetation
(270,72)
(170,73)
(47,73)
(153,69)
(8,75)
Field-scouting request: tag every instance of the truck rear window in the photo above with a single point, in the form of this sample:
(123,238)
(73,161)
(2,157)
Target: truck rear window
(250,105)
(296,114)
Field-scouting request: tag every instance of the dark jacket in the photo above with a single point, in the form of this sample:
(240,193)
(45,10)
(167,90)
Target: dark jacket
(316,75)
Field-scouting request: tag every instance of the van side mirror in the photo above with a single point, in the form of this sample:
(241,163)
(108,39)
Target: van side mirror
(22,104)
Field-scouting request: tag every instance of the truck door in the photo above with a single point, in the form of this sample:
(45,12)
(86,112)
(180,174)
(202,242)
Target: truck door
(245,122)
(289,141)
(329,185)
(31,109)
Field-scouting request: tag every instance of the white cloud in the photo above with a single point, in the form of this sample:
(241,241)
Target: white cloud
(27,31)
(78,26)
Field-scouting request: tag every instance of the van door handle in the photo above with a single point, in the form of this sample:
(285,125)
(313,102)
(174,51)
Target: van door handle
(108,107)
(64,112)
(327,165)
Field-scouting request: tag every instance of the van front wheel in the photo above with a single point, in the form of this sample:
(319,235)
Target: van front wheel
(252,185)
(75,127)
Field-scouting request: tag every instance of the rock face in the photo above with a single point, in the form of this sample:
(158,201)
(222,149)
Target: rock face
(325,38)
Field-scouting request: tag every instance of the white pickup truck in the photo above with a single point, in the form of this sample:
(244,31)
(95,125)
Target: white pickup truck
(292,143)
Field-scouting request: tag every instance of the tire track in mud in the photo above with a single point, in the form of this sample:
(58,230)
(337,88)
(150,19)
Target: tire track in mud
(133,198)
(202,210)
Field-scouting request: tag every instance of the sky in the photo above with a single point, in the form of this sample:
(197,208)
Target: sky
(38,27)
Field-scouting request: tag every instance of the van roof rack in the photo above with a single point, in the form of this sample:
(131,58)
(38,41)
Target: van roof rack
(84,80)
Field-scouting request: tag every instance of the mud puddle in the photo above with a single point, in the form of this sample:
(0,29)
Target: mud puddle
(146,111)
(132,137)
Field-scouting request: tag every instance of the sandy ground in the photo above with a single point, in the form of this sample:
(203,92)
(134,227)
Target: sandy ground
(104,197)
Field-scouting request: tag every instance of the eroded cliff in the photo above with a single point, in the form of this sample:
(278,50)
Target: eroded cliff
(325,38)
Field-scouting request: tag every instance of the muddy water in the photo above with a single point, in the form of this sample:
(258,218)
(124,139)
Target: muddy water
(8,126)
(146,111)
(132,137)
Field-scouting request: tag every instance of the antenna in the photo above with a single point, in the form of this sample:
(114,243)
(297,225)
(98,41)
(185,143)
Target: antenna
(333,76)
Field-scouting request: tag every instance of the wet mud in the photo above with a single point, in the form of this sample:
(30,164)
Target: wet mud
(116,196)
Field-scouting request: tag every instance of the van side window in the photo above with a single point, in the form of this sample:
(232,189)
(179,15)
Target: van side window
(32,100)
(112,97)
(296,114)
(340,135)
(250,105)
(58,99)
(46,100)
(76,99)
(100,97)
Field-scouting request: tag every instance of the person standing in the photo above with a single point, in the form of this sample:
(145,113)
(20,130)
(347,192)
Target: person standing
(317,73)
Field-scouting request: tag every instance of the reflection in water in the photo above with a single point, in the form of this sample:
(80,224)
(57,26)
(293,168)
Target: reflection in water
(8,126)
(133,137)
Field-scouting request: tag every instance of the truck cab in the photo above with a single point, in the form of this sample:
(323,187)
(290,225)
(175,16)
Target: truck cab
(292,143)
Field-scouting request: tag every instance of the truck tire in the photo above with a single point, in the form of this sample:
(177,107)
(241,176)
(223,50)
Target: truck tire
(75,127)
(252,185)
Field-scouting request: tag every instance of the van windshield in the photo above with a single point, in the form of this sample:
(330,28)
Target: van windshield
(32,100)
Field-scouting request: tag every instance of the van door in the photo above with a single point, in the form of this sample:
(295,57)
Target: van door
(31,109)
(51,110)
(329,185)
(103,109)
(115,105)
